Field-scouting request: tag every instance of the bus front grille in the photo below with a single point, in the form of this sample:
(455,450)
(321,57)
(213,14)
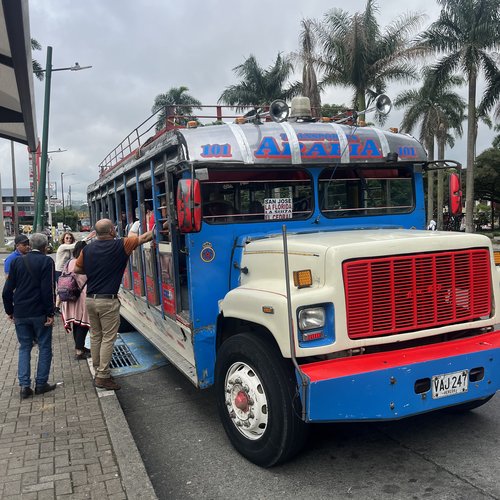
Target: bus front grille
(405,293)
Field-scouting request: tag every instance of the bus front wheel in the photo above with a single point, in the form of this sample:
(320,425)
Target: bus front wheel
(258,400)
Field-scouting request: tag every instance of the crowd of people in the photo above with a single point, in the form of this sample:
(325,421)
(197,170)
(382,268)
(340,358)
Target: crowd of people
(29,298)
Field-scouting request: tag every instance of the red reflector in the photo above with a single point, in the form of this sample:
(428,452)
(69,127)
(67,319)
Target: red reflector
(312,336)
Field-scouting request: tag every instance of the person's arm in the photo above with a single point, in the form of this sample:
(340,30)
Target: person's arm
(79,269)
(47,287)
(89,236)
(8,292)
(144,238)
(6,266)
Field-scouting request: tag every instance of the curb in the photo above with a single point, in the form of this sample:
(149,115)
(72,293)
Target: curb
(135,479)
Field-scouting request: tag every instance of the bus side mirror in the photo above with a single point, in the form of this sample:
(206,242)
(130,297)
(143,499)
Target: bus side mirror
(455,195)
(189,205)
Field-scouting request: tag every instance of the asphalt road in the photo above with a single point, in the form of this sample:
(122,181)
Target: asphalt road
(187,455)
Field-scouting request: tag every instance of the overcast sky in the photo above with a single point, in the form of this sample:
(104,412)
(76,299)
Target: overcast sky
(141,49)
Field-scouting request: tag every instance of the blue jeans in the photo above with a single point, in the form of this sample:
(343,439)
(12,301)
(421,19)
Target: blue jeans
(29,330)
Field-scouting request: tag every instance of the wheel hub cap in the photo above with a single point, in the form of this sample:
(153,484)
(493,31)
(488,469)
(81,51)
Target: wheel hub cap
(246,400)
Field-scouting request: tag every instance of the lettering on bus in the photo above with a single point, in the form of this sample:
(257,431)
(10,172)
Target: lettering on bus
(278,208)
(318,146)
(407,152)
(216,151)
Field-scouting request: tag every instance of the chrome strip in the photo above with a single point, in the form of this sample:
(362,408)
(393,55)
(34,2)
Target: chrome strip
(344,143)
(293,141)
(384,143)
(246,152)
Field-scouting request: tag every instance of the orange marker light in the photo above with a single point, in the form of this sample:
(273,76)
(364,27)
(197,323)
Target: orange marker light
(302,279)
(496,255)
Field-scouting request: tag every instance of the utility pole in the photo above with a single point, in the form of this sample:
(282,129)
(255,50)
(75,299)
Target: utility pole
(40,206)
(45,135)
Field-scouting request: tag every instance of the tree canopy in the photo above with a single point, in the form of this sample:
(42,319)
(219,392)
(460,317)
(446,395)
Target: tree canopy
(487,178)
(466,32)
(357,54)
(259,86)
(180,101)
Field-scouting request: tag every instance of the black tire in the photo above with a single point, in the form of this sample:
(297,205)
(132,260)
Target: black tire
(471,405)
(279,432)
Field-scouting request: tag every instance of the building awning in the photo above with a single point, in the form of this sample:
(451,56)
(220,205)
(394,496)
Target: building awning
(17,103)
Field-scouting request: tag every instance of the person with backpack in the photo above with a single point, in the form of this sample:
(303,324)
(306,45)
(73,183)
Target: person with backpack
(67,244)
(72,291)
(28,300)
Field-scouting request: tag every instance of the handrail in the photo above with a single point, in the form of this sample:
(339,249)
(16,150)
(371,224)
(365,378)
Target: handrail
(135,140)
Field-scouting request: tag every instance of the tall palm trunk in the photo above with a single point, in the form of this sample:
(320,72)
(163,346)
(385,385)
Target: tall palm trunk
(471,149)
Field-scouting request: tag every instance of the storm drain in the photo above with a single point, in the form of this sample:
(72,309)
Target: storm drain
(122,357)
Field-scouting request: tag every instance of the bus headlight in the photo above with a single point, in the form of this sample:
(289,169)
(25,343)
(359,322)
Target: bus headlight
(311,318)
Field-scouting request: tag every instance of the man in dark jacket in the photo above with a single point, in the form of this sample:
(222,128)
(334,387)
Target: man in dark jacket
(28,299)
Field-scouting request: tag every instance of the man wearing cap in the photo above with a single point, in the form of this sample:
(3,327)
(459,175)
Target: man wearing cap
(22,247)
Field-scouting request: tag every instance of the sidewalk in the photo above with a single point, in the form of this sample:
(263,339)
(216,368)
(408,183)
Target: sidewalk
(73,442)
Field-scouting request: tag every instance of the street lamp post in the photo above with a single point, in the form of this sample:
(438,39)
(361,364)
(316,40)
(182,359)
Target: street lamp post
(40,205)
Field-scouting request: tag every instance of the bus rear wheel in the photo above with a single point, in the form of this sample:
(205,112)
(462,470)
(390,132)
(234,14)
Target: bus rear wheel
(258,400)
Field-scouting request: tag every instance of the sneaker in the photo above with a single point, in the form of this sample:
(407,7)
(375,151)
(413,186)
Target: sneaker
(26,392)
(42,389)
(106,383)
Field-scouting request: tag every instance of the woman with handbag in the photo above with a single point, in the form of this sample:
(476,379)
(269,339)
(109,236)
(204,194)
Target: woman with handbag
(74,313)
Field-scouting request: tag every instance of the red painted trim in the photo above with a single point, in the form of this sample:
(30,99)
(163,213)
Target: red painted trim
(343,367)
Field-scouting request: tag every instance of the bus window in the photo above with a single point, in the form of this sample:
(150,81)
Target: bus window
(255,194)
(167,280)
(358,191)
(151,281)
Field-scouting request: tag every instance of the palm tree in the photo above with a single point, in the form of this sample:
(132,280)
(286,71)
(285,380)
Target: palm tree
(357,54)
(308,57)
(438,109)
(180,101)
(259,87)
(466,31)
(496,140)
(37,68)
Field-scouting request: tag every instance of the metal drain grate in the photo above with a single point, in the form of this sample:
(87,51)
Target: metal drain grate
(122,357)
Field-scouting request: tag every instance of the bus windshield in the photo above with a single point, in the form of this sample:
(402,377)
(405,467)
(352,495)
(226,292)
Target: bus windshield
(256,194)
(360,191)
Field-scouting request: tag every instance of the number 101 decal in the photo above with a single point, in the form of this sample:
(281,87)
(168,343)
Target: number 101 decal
(216,151)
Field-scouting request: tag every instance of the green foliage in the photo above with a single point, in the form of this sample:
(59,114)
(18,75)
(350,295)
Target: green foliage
(435,106)
(487,175)
(359,55)
(467,34)
(37,68)
(258,86)
(70,217)
(331,110)
(181,105)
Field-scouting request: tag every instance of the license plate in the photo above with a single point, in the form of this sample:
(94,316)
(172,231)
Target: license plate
(449,384)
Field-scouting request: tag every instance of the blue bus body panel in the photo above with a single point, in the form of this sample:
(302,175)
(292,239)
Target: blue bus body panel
(388,393)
